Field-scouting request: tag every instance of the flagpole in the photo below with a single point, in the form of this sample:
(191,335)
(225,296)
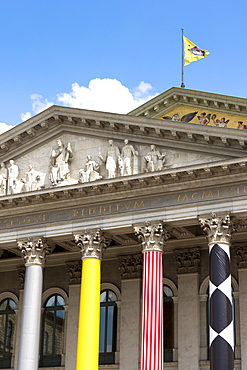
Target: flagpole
(182,84)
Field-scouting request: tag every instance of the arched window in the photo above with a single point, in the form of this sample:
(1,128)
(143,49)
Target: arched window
(168,324)
(108,327)
(7,328)
(53,331)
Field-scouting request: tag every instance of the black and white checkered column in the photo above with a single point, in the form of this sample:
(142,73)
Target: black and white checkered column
(221,335)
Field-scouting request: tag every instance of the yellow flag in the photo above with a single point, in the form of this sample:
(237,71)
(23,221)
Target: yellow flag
(192,52)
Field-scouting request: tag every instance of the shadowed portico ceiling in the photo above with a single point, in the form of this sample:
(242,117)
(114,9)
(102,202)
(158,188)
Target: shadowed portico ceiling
(120,244)
(64,249)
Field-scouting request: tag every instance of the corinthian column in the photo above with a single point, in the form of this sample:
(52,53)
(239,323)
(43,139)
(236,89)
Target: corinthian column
(34,252)
(221,337)
(153,237)
(91,244)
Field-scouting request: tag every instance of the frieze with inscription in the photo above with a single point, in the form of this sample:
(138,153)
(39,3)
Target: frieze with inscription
(121,207)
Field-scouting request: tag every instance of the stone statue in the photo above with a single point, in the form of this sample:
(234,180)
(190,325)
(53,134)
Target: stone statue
(3,179)
(154,160)
(91,171)
(34,179)
(13,172)
(128,156)
(111,159)
(60,159)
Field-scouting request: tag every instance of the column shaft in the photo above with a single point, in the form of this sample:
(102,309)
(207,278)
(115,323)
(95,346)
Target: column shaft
(89,316)
(242,274)
(30,325)
(221,336)
(221,321)
(152,312)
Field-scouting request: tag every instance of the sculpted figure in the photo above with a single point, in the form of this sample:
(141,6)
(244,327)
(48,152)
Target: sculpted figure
(111,159)
(128,156)
(60,159)
(154,160)
(90,173)
(34,179)
(3,179)
(13,172)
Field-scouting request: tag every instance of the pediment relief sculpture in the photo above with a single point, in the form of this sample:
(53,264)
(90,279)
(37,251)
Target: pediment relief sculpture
(3,179)
(120,163)
(13,183)
(74,159)
(60,159)
(91,171)
(35,180)
(111,159)
(154,160)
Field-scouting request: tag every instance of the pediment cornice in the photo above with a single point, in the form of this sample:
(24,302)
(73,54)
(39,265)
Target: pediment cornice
(56,120)
(197,99)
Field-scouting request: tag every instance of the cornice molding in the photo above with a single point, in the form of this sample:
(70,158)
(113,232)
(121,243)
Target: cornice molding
(177,96)
(56,120)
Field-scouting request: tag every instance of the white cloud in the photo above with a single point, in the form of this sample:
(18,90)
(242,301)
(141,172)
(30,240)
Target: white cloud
(38,105)
(4,127)
(26,116)
(106,94)
(142,90)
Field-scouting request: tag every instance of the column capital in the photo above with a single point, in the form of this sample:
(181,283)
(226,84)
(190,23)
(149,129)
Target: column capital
(152,236)
(92,243)
(130,266)
(218,228)
(188,260)
(34,250)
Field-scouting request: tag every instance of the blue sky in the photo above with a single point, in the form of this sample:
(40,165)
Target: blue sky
(113,55)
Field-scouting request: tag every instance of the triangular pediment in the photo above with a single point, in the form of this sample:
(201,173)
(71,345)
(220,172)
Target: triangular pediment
(60,146)
(196,107)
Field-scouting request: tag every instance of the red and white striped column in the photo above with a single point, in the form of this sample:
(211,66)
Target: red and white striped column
(153,237)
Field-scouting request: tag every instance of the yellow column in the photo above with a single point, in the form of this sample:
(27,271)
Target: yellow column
(91,245)
(89,315)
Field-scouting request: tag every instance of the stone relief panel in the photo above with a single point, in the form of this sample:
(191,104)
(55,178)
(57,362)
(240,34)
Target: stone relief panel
(154,160)
(72,159)
(60,163)
(90,172)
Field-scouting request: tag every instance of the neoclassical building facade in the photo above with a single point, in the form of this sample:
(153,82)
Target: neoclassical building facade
(143,216)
